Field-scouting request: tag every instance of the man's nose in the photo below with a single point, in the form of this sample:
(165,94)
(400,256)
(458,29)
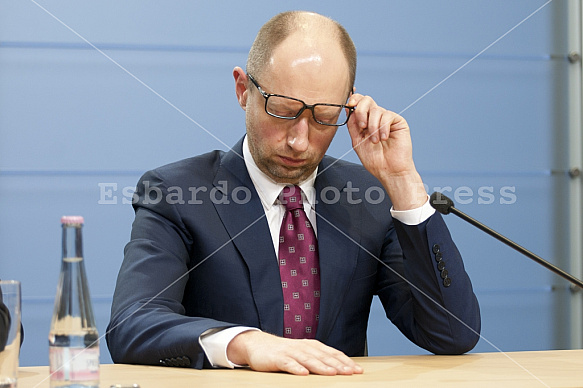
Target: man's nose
(298,134)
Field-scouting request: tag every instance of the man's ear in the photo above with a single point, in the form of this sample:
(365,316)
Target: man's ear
(241,82)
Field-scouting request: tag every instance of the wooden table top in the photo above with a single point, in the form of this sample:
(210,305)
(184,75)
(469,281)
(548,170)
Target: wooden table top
(561,368)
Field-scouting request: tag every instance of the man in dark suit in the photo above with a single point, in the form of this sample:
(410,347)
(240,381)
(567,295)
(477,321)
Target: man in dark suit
(4,324)
(200,283)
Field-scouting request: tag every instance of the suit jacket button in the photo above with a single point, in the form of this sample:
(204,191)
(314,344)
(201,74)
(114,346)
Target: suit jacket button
(163,362)
(444,274)
(185,361)
(438,256)
(447,282)
(436,248)
(441,265)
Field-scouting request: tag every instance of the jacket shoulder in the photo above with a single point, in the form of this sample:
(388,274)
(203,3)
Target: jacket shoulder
(201,168)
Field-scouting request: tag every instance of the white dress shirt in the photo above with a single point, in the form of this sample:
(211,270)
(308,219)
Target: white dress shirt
(214,342)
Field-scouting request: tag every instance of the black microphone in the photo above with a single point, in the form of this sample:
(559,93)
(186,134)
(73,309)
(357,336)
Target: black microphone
(444,205)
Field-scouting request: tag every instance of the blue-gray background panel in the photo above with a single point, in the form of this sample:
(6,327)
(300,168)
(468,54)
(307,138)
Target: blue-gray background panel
(77,131)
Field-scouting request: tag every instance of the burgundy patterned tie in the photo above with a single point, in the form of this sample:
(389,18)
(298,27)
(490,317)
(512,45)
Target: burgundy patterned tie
(299,268)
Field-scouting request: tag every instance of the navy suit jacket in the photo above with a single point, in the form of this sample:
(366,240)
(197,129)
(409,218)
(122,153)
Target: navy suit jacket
(201,256)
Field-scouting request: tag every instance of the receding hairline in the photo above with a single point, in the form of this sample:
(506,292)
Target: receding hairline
(282,25)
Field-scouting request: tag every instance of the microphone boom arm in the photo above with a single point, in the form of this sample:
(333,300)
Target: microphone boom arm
(437,201)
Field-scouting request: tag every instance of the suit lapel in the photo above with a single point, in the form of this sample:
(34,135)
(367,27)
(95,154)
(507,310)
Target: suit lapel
(338,253)
(249,231)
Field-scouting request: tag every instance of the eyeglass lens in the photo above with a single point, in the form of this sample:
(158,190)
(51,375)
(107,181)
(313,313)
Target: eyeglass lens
(289,108)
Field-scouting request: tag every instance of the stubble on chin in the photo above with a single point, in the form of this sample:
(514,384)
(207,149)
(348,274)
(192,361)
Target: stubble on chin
(265,160)
(294,176)
(282,174)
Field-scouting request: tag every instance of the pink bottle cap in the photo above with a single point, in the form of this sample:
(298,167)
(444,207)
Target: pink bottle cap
(72,220)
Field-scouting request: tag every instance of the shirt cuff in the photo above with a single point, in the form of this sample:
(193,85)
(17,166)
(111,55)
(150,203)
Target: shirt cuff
(414,216)
(214,343)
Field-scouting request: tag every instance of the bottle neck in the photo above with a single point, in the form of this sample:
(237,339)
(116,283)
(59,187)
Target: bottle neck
(72,241)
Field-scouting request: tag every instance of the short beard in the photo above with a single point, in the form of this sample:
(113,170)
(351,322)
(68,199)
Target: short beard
(276,172)
(282,175)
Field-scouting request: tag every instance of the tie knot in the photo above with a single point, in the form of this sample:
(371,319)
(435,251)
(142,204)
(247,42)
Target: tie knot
(291,197)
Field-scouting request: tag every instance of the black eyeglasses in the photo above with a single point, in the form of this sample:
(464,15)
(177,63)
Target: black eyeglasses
(290,108)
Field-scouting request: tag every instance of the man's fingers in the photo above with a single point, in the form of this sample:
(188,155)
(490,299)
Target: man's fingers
(375,131)
(305,361)
(362,111)
(309,356)
(370,120)
(338,366)
(265,352)
(317,366)
(327,366)
(290,365)
(343,363)
(322,359)
(354,131)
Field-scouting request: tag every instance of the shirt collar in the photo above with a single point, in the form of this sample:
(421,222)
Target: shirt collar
(269,190)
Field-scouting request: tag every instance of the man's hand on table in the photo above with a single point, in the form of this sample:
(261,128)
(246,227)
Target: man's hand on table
(268,353)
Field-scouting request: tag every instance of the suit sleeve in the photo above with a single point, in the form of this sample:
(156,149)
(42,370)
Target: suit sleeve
(148,322)
(425,289)
(4,324)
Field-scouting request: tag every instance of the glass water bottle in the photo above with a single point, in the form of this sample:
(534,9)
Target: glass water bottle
(73,338)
